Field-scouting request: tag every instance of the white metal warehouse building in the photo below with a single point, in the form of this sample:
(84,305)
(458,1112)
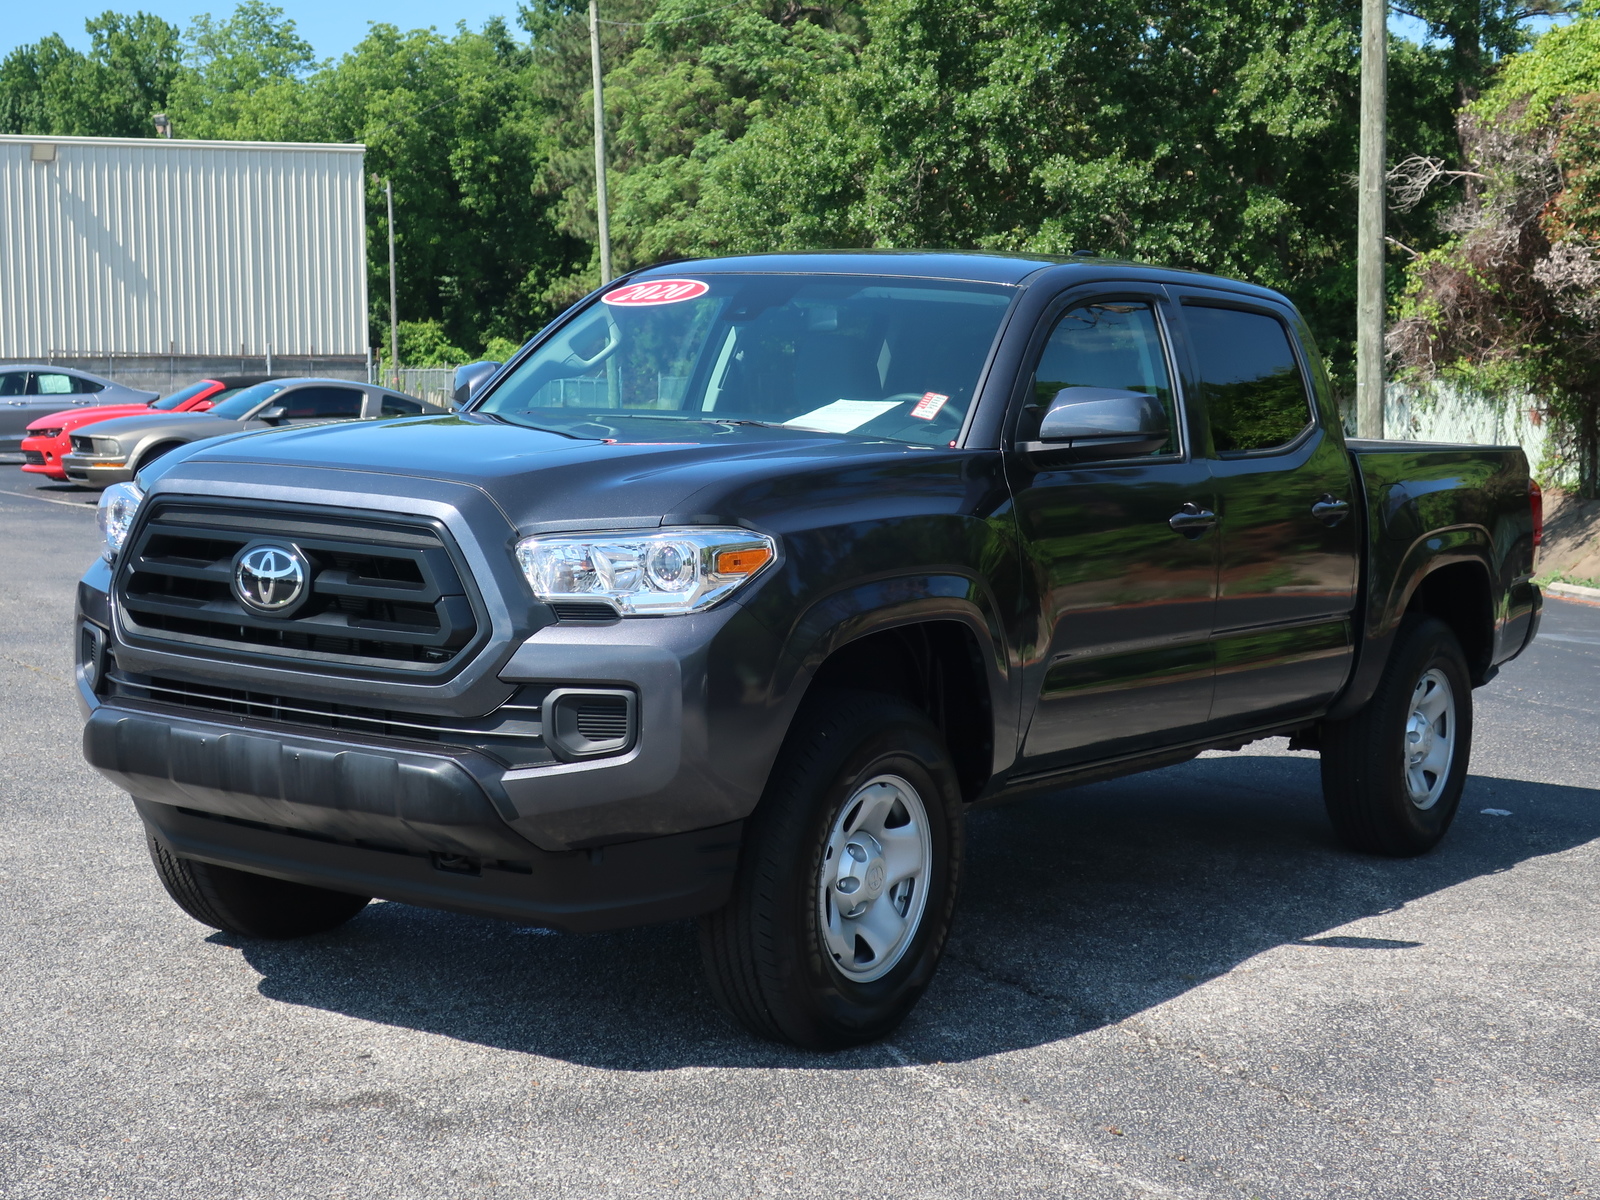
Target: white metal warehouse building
(141,258)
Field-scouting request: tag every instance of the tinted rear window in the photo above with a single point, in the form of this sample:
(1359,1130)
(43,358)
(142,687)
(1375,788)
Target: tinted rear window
(1250,382)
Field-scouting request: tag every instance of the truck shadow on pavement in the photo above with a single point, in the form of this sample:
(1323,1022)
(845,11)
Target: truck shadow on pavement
(1079,909)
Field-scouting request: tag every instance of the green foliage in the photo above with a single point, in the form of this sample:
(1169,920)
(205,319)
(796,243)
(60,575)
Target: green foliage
(499,349)
(423,344)
(112,91)
(1564,62)
(1511,303)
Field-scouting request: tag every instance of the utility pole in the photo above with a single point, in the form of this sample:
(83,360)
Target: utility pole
(1369,219)
(600,205)
(394,319)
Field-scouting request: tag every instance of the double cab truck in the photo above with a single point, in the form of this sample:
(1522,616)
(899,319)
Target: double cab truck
(741,582)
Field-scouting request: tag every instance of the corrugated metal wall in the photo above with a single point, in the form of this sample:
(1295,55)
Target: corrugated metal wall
(149,246)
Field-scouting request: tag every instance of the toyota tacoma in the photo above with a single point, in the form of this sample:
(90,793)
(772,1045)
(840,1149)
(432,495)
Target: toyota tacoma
(741,582)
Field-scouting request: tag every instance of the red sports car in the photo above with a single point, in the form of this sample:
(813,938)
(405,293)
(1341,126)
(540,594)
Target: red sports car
(50,437)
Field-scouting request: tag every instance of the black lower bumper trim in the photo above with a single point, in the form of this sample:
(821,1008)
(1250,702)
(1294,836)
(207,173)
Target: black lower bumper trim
(578,891)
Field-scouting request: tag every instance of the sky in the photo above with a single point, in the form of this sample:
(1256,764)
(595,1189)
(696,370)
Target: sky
(331,26)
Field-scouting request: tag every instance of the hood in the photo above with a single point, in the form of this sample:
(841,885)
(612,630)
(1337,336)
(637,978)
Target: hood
(156,420)
(71,418)
(653,469)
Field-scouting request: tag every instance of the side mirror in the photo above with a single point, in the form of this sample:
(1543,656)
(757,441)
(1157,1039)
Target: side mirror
(1093,422)
(275,413)
(470,378)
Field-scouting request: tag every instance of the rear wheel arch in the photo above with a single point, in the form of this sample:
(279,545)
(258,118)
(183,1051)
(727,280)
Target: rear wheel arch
(1459,594)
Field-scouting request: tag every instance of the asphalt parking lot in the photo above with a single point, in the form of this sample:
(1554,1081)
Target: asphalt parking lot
(1172,985)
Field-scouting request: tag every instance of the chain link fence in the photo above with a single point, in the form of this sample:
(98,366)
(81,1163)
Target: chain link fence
(436,385)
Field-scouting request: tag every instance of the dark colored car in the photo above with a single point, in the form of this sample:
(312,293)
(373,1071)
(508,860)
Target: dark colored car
(31,390)
(49,438)
(115,450)
(733,590)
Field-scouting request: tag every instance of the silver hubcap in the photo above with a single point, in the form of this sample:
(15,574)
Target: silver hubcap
(873,887)
(1430,739)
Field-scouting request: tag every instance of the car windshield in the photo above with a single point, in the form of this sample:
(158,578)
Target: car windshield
(878,357)
(240,403)
(167,403)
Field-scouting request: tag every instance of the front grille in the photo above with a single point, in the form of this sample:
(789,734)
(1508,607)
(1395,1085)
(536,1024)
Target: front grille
(385,595)
(44,433)
(512,734)
(33,458)
(82,445)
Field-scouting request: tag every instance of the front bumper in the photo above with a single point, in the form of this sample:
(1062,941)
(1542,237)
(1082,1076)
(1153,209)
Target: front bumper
(96,470)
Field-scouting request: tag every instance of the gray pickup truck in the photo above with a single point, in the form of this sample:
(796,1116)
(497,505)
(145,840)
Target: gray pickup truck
(744,579)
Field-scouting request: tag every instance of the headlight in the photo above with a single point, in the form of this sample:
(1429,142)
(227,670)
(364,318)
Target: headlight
(106,445)
(119,504)
(662,572)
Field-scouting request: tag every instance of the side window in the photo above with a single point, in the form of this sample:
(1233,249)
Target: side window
(394,406)
(321,404)
(1107,345)
(1250,381)
(80,384)
(51,384)
(13,383)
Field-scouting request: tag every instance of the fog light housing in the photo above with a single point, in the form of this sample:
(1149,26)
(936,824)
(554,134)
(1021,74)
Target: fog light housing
(581,723)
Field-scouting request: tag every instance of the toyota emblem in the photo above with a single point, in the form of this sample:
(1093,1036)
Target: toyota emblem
(268,579)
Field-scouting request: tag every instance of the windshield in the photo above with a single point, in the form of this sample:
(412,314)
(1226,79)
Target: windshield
(240,403)
(885,358)
(167,403)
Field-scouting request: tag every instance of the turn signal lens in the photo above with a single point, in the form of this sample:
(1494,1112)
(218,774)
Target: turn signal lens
(743,562)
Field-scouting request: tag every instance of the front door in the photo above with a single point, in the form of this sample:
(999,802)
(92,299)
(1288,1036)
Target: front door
(1121,659)
(1286,494)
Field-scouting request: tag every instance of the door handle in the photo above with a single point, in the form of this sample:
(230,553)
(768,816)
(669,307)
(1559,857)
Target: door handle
(1330,511)
(1191,520)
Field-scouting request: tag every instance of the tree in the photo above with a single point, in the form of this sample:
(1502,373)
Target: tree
(112,91)
(1512,301)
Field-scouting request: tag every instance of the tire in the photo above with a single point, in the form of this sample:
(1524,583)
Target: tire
(1379,800)
(253,906)
(784,958)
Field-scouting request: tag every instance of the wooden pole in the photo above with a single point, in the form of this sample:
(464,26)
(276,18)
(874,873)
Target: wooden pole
(394,317)
(1369,220)
(602,209)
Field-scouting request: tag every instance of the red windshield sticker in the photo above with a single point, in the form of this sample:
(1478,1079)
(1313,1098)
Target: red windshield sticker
(928,407)
(657,291)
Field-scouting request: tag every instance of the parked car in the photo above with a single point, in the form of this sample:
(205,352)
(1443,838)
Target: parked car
(29,390)
(49,438)
(115,451)
(735,588)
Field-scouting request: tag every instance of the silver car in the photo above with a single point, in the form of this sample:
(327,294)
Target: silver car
(29,390)
(114,451)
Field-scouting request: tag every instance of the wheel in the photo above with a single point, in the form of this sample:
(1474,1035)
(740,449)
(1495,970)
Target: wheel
(255,906)
(847,880)
(1392,774)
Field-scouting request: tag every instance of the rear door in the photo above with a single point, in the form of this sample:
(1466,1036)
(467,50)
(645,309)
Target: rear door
(1121,659)
(1289,540)
(14,411)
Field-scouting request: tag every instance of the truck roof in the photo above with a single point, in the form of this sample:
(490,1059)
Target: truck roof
(970,266)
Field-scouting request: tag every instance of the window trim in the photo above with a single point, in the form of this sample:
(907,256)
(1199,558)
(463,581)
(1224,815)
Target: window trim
(1109,292)
(1199,299)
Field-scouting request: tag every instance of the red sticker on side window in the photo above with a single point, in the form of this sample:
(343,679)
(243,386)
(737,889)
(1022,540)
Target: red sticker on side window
(928,407)
(657,291)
